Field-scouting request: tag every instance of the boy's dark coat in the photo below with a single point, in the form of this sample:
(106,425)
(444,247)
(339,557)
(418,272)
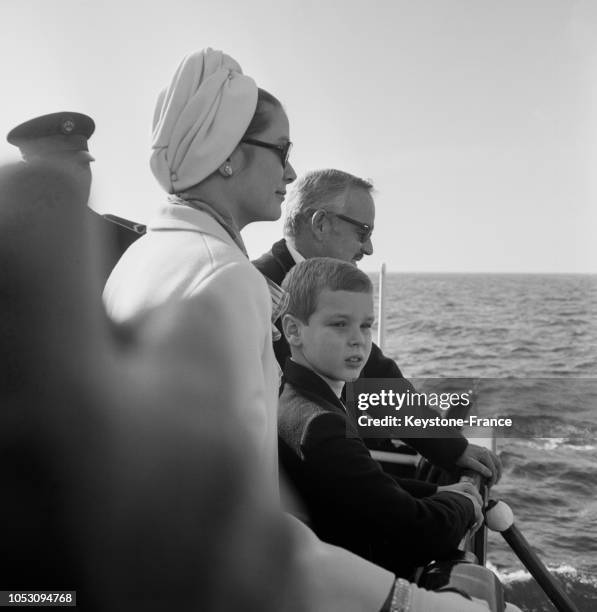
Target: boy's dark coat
(351,501)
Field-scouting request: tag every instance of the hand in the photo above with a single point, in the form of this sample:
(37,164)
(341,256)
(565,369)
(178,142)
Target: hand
(470,491)
(466,489)
(463,487)
(481,460)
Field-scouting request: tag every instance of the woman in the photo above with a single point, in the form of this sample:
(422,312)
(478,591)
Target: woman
(220,148)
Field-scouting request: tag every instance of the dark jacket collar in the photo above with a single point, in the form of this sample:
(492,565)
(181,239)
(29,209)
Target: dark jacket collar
(282,255)
(276,263)
(310,384)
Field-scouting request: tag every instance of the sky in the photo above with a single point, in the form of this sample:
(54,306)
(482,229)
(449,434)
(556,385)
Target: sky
(476,120)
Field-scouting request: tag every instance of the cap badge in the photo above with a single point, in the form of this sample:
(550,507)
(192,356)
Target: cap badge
(68,125)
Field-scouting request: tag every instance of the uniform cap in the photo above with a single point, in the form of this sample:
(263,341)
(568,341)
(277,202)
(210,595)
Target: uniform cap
(53,134)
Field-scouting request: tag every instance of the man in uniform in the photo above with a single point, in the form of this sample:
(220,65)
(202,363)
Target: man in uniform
(60,139)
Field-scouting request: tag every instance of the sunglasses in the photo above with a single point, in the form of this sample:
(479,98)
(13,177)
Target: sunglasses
(365,231)
(282,150)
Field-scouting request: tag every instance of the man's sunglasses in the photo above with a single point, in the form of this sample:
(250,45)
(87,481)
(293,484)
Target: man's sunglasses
(282,150)
(365,230)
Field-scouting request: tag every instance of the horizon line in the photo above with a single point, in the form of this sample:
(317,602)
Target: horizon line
(388,271)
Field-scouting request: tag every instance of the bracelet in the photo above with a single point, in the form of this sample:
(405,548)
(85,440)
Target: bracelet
(402,596)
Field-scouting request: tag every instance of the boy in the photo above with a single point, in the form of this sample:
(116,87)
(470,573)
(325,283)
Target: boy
(351,501)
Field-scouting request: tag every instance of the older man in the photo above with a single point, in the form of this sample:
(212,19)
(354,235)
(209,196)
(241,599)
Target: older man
(330,213)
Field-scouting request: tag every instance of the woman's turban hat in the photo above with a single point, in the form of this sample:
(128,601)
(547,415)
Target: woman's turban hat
(200,118)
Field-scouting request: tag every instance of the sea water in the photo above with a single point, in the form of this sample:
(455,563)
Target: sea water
(541,327)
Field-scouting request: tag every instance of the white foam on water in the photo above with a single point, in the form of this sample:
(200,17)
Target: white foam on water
(548,444)
(523,575)
(508,577)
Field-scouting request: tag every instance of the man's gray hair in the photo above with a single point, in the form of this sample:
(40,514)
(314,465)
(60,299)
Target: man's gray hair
(318,189)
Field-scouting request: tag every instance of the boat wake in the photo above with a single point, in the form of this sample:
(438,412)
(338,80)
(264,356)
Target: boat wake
(522,590)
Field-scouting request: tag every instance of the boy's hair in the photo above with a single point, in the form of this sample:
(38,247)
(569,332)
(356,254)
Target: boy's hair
(309,278)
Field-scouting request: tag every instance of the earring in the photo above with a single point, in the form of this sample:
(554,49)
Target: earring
(228,170)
